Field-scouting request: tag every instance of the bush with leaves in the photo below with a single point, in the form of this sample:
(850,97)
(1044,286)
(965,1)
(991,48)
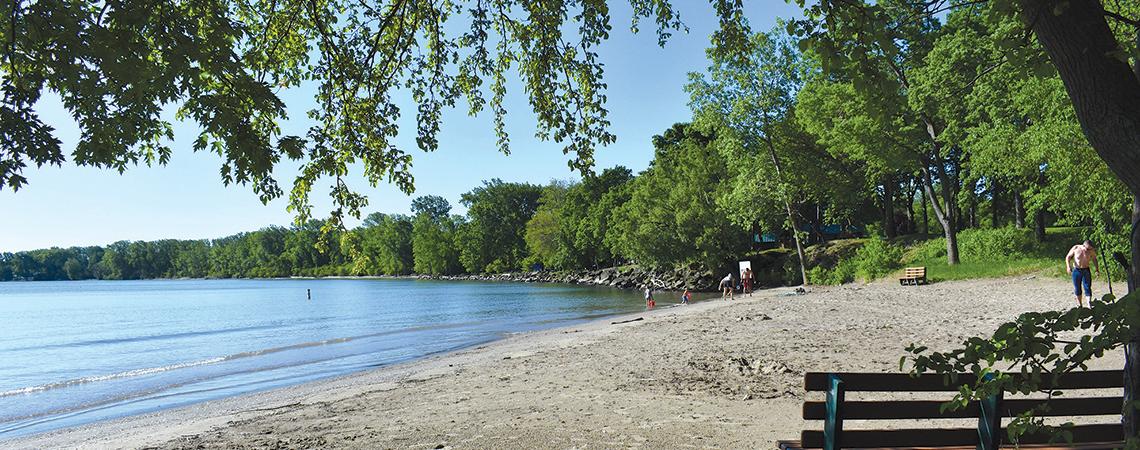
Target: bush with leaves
(1031,353)
(876,258)
(843,272)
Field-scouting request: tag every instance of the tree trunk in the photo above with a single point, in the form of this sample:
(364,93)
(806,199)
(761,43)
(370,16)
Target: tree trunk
(946,217)
(788,206)
(888,208)
(1131,419)
(995,206)
(1104,90)
(818,228)
(910,228)
(1039,225)
(1018,211)
(925,219)
(973,221)
(796,237)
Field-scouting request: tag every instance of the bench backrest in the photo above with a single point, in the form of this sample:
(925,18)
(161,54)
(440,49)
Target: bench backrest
(989,412)
(915,272)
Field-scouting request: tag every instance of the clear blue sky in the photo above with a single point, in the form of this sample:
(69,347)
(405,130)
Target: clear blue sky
(69,205)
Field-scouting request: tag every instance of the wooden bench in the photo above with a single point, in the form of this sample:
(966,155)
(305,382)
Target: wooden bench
(913,276)
(988,435)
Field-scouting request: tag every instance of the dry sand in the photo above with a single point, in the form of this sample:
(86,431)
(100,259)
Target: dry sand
(714,374)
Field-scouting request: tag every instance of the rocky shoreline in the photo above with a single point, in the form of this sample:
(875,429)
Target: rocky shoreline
(626,277)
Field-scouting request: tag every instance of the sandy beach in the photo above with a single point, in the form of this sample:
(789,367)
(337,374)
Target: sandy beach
(715,374)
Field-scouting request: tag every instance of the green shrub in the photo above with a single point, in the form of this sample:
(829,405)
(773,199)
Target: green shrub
(876,258)
(843,272)
(997,244)
(929,250)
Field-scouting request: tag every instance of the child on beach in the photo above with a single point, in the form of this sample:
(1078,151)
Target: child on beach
(649,302)
(685,297)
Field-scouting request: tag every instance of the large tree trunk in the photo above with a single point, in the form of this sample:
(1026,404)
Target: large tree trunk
(1131,419)
(1104,90)
(1039,225)
(945,216)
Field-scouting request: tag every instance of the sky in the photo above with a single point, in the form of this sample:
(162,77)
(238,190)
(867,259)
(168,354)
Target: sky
(186,199)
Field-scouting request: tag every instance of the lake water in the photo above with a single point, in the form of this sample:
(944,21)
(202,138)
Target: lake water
(81,351)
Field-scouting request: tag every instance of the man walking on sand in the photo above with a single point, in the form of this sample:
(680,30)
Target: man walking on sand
(1082,255)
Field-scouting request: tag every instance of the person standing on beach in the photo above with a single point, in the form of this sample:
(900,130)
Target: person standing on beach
(685,297)
(649,302)
(1083,255)
(726,286)
(746,280)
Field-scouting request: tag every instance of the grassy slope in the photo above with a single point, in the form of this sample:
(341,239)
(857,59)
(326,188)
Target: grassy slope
(1042,258)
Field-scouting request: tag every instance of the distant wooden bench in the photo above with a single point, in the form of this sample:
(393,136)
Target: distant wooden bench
(987,436)
(913,276)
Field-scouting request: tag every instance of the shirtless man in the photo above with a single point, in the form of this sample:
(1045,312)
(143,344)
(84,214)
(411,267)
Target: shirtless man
(1082,255)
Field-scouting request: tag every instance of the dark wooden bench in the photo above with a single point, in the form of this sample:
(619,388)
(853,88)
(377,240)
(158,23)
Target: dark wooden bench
(913,276)
(988,435)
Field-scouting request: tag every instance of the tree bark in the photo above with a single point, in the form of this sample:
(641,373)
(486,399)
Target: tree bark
(973,220)
(945,216)
(910,210)
(995,206)
(1018,211)
(1131,418)
(818,226)
(1104,90)
(888,208)
(925,218)
(1039,225)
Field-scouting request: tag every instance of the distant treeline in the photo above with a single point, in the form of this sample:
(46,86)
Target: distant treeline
(667,215)
(684,210)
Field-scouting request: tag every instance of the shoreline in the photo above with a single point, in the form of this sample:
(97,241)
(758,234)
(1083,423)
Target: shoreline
(714,374)
(149,429)
(624,277)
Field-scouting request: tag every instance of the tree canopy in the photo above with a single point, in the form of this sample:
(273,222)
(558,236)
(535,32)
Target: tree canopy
(223,65)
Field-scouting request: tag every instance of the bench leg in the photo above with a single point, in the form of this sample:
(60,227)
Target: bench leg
(833,423)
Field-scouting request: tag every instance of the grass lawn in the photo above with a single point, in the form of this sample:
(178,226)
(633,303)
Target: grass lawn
(1044,259)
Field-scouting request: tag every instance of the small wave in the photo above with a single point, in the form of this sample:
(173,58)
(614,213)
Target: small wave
(113,376)
(169,336)
(249,354)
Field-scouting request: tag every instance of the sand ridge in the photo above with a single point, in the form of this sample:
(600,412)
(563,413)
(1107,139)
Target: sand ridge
(715,374)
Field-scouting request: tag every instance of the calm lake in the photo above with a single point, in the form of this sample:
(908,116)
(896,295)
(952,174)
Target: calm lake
(75,352)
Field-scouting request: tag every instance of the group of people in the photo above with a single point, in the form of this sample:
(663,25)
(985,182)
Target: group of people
(728,286)
(650,302)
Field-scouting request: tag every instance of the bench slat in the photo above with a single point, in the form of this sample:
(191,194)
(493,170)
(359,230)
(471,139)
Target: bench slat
(930,409)
(901,382)
(950,437)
